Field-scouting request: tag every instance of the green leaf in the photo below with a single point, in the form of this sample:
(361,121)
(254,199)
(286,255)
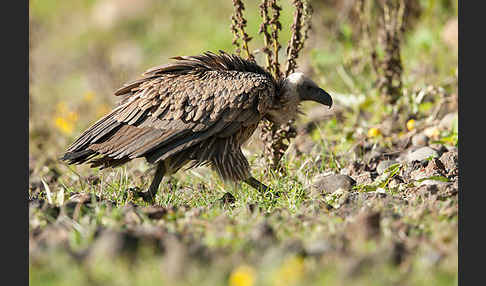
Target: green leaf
(435,178)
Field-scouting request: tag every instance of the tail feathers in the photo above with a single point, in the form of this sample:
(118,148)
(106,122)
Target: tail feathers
(93,158)
(95,133)
(78,157)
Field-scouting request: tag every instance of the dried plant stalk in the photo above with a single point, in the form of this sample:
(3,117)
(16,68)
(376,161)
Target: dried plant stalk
(300,28)
(238,24)
(270,39)
(389,31)
(276,138)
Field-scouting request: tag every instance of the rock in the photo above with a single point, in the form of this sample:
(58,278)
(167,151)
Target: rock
(364,178)
(326,184)
(452,149)
(420,140)
(294,246)
(450,160)
(433,168)
(383,165)
(432,132)
(318,248)
(353,168)
(375,154)
(422,154)
(447,121)
(442,189)
(227,199)
(337,198)
(155,212)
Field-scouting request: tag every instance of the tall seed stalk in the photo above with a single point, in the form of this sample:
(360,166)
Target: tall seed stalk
(238,24)
(388,33)
(276,137)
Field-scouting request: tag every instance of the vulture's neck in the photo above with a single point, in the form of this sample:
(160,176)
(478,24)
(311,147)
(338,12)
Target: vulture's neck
(286,105)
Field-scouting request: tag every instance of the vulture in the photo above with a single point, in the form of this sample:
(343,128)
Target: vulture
(197,110)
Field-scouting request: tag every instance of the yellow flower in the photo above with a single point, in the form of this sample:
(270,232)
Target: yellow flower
(411,124)
(61,107)
(64,119)
(291,271)
(373,132)
(243,275)
(72,116)
(64,125)
(88,96)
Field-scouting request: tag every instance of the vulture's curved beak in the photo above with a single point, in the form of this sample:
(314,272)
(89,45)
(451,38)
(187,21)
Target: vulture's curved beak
(319,95)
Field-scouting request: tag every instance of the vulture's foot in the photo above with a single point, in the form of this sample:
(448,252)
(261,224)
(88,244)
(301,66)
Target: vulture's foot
(147,197)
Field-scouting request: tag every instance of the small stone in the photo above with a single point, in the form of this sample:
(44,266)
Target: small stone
(418,174)
(432,132)
(447,121)
(337,198)
(375,154)
(422,154)
(227,199)
(383,165)
(155,212)
(420,140)
(450,160)
(330,183)
(352,169)
(364,178)
(451,149)
(434,168)
(317,248)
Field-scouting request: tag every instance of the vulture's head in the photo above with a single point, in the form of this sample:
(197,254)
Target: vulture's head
(295,89)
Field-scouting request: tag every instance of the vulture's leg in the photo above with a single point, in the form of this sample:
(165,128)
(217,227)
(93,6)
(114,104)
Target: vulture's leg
(257,185)
(260,186)
(154,186)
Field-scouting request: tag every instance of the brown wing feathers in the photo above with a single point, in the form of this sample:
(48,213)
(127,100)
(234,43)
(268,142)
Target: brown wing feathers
(174,107)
